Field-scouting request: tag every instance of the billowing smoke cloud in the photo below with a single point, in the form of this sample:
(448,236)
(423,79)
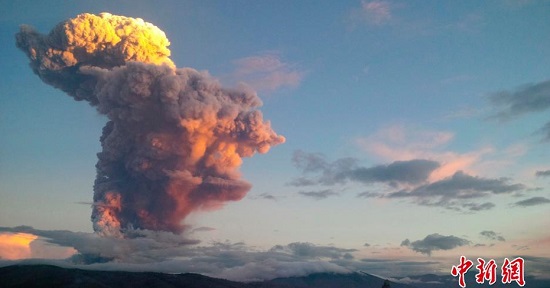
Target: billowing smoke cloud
(175,138)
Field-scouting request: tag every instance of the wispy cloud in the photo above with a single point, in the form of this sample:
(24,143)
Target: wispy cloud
(412,179)
(203,229)
(413,171)
(491,235)
(475,207)
(516,4)
(265,196)
(470,22)
(382,14)
(369,194)
(533,201)
(399,142)
(545,131)
(405,142)
(464,112)
(463,186)
(457,79)
(311,251)
(318,195)
(267,72)
(529,98)
(455,191)
(376,12)
(544,173)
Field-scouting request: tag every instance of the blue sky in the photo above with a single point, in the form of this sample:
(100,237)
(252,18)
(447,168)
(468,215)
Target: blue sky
(459,84)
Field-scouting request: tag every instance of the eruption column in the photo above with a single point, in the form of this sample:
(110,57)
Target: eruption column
(175,138)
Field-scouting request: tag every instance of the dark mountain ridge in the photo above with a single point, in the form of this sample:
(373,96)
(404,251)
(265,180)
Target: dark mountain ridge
(36,275)
(54,276)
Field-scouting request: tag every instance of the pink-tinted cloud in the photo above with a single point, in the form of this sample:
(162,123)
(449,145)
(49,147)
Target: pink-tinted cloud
(455,162)
(267,72)
(464,112)
(376,12)
(398,142)
(15,246)
(402,143)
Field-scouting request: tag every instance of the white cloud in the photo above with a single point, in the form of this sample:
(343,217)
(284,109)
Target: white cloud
(170,253)
(267,72)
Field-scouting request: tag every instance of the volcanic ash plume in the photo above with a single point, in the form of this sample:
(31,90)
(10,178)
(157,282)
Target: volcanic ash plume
(175,138)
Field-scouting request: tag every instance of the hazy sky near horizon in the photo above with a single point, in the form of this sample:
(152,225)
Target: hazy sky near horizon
(414,129)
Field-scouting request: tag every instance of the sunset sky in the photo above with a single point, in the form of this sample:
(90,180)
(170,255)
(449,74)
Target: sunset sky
(416,132)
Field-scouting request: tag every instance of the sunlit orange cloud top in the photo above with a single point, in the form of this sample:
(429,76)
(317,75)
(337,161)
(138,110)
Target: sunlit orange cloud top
(16,246)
